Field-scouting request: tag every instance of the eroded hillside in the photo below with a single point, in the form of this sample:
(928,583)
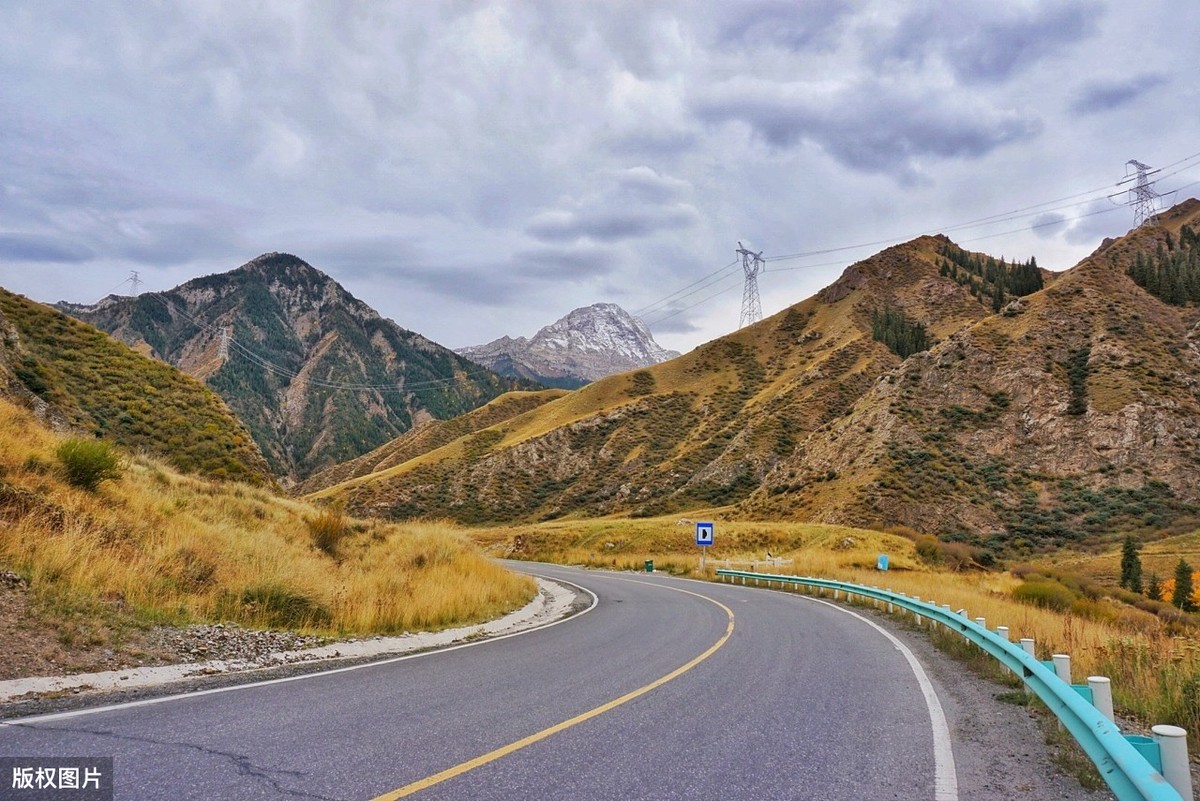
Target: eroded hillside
(701,430)
(1073,413)
(1034,409)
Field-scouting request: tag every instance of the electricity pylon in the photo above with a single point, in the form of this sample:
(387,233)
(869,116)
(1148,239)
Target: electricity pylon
(1142,195)
(752,265)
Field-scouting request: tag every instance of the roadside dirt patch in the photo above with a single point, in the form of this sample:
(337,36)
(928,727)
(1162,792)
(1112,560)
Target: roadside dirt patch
(38,642)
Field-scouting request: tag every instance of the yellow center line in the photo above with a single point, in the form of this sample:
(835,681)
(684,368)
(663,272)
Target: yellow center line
(503,751)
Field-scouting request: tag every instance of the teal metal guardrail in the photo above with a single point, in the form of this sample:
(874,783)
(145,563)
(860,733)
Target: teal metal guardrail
(1126,771)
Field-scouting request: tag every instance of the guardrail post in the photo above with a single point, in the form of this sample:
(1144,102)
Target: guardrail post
(1172,742)
(1028,646)
(1102,695)
(1133,766)
(982,621)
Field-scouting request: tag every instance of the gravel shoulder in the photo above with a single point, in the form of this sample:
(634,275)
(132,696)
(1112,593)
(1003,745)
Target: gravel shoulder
(1001,749)
(223,655)
(1004,749)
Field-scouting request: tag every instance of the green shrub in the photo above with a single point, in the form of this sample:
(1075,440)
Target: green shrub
(1047,593)
(87,462)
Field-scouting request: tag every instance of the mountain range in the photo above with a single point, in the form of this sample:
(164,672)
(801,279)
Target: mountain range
(587,344)
(316,375)
(928,387)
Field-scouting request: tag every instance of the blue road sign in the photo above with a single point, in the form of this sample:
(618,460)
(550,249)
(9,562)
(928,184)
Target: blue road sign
(704,533)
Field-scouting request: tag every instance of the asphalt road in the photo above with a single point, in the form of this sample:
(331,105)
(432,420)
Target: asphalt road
(778,697)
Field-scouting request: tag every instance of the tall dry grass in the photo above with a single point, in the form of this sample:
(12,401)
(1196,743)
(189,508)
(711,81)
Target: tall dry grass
(175,548)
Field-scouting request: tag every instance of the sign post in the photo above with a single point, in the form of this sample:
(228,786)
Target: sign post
(704,538)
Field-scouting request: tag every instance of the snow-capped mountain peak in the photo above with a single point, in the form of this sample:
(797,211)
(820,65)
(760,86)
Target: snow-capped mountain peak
(587,344)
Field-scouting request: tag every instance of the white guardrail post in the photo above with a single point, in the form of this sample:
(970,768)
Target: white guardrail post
(1135,768)
(1062,666)
(1102,695)
(1172,744)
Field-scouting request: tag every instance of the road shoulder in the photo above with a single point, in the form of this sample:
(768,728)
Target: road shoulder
(43,694)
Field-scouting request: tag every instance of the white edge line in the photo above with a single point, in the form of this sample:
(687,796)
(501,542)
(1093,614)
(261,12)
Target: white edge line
(317,674)
(945,778)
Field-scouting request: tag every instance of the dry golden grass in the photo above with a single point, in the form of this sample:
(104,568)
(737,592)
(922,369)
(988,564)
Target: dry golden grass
(179,549)
(670,542)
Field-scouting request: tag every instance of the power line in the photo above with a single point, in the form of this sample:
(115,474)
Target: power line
(114,289)
(677,312)
(699,283)
(722,274)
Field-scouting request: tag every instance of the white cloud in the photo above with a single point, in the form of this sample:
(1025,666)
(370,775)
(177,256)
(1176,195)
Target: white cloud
(480,169)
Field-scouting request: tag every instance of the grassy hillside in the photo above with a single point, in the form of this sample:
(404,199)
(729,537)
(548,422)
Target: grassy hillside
(699,431)
(1071,417)
(79,377)
(158,546)
(988,403)
(429,436)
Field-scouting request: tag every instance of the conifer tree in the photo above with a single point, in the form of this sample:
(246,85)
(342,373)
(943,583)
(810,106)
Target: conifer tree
(1182,596)
(1131,565)
(1154,588)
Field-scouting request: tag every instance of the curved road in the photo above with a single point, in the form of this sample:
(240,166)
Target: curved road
(765,696)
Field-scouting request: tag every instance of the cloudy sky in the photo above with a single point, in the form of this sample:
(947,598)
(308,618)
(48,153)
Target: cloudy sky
(479,169)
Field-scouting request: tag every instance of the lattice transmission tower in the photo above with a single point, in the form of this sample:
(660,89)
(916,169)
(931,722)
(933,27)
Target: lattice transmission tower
(1142,196)
(223,347)
(136,280)
(752,265)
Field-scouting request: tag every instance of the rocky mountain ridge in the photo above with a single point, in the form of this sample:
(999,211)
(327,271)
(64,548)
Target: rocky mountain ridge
(587,344)
(316,374)
(1075,413)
